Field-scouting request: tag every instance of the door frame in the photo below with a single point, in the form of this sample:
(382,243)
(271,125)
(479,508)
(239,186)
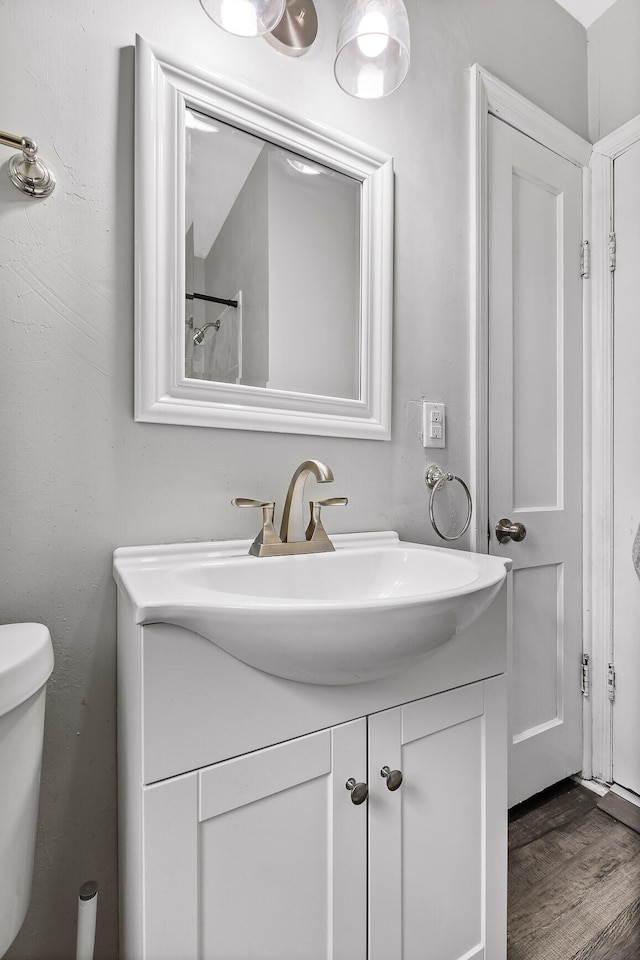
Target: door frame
(491,97)
(600,458)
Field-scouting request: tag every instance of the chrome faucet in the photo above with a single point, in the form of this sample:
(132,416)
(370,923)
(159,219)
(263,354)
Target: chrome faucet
(291,540)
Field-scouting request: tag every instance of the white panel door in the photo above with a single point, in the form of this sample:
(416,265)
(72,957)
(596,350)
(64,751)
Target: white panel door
(626,471)
(535,445)
(262,856)
(437,843)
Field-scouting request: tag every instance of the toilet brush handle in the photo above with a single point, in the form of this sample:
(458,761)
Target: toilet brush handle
(87,912)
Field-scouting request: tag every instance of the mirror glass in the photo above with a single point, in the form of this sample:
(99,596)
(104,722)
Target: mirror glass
(272,279)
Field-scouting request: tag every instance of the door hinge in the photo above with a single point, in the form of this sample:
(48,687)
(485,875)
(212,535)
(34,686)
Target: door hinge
(611,682)
(585,260)
(612,252)
(586,675)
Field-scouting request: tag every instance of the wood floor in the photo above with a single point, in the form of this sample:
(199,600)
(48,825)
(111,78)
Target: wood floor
(574,880)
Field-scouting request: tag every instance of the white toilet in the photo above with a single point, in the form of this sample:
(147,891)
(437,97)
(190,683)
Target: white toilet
(26,662)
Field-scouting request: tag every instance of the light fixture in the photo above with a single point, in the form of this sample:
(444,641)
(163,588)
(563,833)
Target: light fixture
(297,29)
(300,166)
(372,52)
(245,18)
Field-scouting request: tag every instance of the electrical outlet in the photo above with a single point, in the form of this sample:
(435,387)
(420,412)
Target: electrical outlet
(433,424)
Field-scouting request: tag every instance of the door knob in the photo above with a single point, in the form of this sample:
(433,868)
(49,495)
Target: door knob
(505,531)
(393,778)
(359,791)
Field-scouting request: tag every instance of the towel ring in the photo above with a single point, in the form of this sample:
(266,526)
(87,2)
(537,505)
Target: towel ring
(435,477)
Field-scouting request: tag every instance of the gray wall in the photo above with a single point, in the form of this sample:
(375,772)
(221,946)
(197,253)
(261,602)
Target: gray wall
(614,68)
(79,476)
(244,238)
(314,258)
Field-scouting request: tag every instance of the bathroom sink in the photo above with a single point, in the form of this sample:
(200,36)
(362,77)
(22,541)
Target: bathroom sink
(367,610)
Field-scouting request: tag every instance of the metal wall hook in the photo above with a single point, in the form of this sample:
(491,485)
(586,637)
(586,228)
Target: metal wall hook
(435,477)
(26,171)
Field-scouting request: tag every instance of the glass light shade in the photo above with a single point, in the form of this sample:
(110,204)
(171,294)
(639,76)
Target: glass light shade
(373,48)
(245,18)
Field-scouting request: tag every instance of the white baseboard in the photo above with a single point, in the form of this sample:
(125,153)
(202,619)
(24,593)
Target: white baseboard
(594,785)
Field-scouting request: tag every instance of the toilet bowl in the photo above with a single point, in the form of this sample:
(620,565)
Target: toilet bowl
(26,661)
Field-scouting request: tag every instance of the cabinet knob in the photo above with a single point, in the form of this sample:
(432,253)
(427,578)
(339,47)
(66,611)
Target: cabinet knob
(393,778)
(359,791)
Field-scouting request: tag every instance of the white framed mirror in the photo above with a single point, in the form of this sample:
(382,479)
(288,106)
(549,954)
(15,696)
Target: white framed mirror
(264,252)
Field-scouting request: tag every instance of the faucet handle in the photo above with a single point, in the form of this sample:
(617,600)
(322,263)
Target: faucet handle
(315,531)
(247,502)
(267,536)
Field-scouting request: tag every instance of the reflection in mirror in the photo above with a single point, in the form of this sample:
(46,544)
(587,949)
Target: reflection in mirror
(272,272)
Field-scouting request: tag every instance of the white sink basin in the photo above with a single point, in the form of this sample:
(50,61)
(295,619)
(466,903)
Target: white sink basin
(364,612)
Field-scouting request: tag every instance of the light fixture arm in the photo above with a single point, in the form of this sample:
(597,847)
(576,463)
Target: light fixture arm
(26,171)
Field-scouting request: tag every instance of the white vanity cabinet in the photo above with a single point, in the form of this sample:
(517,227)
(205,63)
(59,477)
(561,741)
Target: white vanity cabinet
(437,856)
(262,857)
(239,839)
(266,857)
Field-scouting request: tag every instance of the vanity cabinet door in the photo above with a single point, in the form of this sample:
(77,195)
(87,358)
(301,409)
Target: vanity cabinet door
(437,844)
(262,856)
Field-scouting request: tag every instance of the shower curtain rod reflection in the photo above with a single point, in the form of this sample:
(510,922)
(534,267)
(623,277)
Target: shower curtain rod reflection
(204,296)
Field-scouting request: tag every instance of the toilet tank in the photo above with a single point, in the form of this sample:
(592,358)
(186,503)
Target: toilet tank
(26,661)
